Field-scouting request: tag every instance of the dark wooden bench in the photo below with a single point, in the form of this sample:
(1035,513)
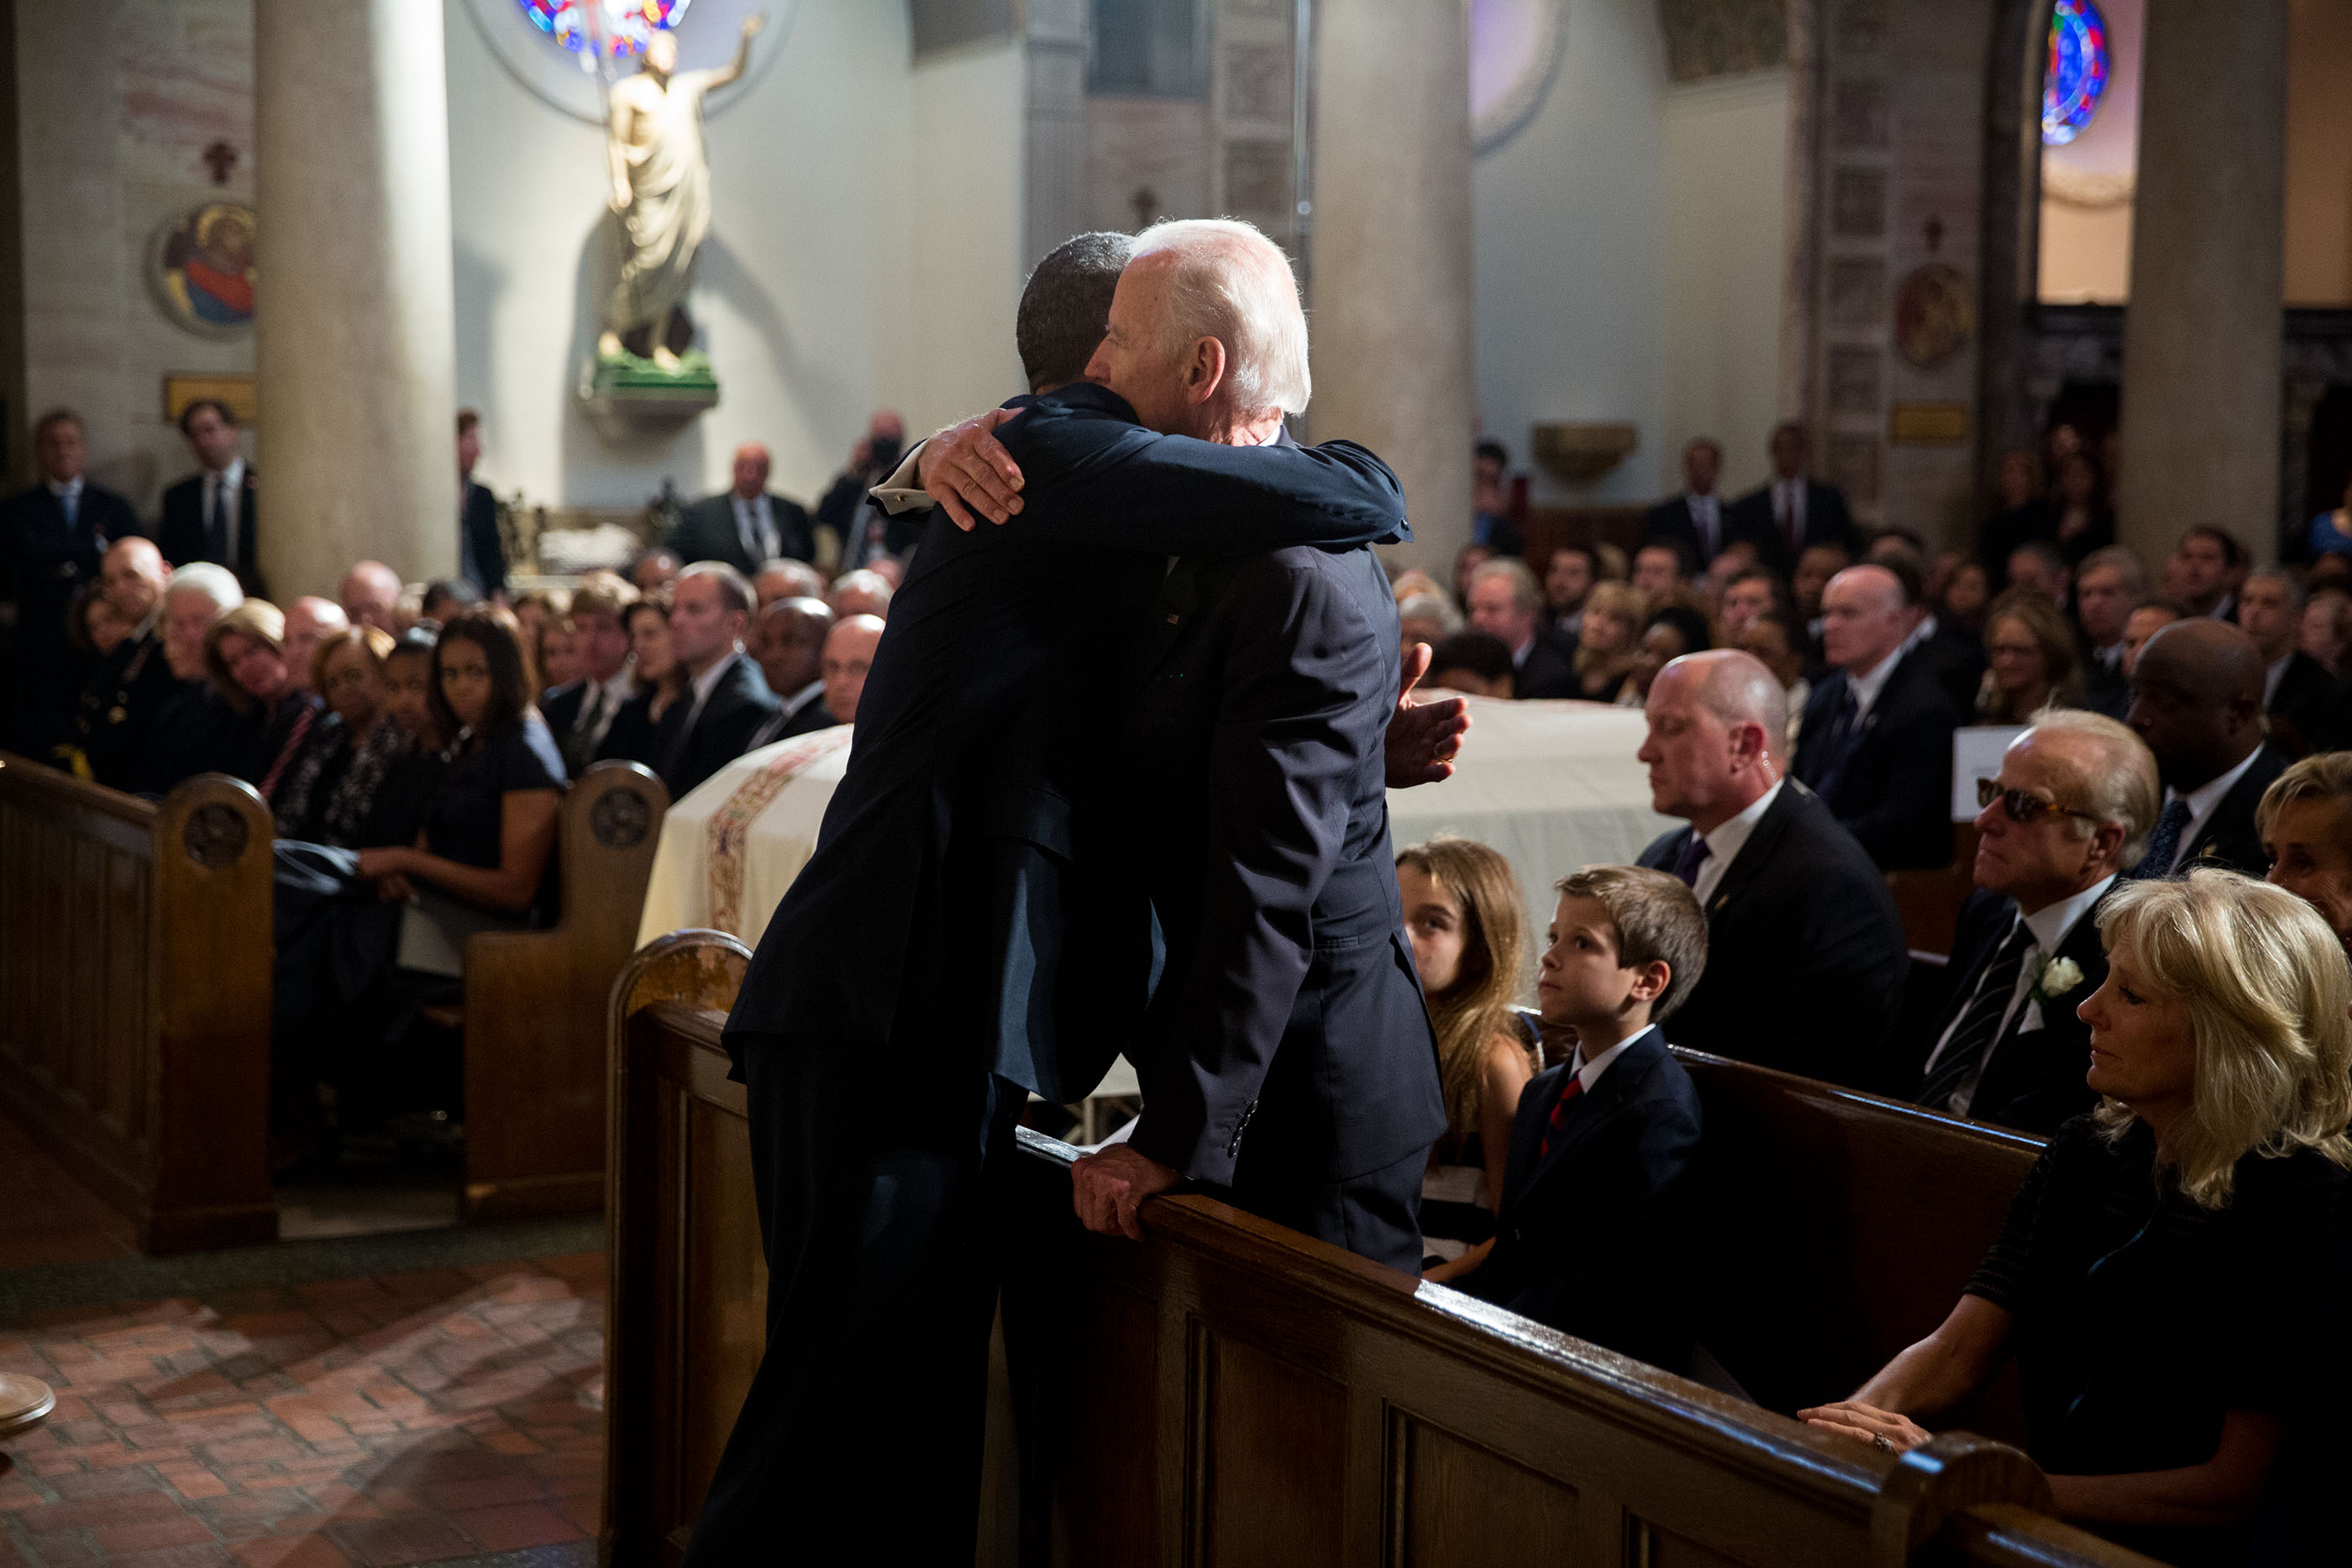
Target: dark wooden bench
(135,997)
(1232,1392)
(135,1000)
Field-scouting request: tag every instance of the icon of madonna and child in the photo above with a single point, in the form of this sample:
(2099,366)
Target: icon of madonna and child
(204,267)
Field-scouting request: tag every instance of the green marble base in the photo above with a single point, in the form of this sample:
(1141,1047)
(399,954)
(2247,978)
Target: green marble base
(627,387)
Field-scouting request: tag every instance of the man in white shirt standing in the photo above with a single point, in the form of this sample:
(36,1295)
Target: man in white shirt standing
(746,527)
(2197,701)
(209,516)
(2069,813)
(1696,517)
(1794,512)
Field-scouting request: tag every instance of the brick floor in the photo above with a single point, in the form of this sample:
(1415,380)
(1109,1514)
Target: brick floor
(400,1418)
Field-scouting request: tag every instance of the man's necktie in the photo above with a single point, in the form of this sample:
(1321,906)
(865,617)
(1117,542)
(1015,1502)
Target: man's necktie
(287,752)
(70,502)
(1784,505)
(1837,746)
(1559,1119)
(1693,856)
(1962,1061)
(2165,842)
(224,522)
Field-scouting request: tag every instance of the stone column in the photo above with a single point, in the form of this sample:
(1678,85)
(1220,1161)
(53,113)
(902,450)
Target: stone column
(2201,336)
(355,326)
(1391,307)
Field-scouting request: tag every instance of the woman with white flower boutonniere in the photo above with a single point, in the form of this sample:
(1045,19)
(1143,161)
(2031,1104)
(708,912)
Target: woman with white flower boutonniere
(2072,807)
(2157,1277)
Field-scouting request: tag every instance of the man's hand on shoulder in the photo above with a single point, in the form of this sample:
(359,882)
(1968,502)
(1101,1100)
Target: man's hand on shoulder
(966,470)
(1108,1189)
(1423,738)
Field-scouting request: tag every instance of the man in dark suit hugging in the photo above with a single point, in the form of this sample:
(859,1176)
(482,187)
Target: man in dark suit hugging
(1596,1192)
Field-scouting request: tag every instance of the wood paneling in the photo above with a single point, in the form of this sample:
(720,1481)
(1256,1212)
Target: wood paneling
(535,1010)
(1231,1393)
(135,997)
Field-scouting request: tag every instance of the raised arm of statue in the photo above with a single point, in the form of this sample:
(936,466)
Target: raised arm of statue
(733,70)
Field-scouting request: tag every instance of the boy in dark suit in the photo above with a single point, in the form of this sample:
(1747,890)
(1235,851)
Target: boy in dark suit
(1593,1234)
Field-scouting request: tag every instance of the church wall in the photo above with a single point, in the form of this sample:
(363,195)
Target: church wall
(117,101)
(1725,181)
(1569,254)
(829,286)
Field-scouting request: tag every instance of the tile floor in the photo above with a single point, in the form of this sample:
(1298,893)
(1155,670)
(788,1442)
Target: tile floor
(411,1417)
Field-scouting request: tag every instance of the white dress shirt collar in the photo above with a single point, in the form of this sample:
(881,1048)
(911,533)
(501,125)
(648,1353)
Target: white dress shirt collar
(1867,687)
(62,489)
(1589,1072)
(800,700)
(707,682)
(1724,844)
(2204,800)
(2051,923)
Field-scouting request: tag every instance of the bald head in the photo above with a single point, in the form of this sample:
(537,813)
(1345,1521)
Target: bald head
(370,596)
(861,593)
(310,621)
(849,655)
(788,642)
(751,470)
(1865,615)
(1715,720)
(2197,700)
(132,576)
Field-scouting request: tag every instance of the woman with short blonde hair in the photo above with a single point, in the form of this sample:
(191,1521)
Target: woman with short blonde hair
(2152,1279)
(1608,645)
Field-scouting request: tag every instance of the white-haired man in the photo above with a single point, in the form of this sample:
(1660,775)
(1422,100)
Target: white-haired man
(968,930)
(193,731)
(2068,814)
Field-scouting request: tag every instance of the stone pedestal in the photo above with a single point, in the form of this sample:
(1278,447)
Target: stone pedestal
(1390,312)
(2201,390)
(355,326)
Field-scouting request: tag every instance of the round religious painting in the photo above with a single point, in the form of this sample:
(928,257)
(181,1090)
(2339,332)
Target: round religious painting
(2077,75)
(200,268)
(1933,316)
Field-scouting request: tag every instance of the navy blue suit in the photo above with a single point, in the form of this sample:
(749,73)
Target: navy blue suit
(965,930)
(1890,782)
(1594,1236)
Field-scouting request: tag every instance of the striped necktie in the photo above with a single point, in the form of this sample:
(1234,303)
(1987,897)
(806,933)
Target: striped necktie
(1961,1063)
(1559,1119)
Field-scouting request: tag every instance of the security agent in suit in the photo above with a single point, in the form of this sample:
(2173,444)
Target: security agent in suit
(481,554)
(212,515)
(1698,519)
(1594,1234)
(726,699)
(2068,814)
(1807,956)
(2197,701)
(1793,511)
(1876,745)
(965,933)
(746,525)
(52,538)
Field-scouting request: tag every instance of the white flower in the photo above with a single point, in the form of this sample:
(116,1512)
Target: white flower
(2058,977)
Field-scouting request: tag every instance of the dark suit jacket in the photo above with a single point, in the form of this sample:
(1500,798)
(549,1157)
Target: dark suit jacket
(1805,956)
(2229,837)
(1593,1238)
(2298,710)
(1670,522)
(2033,1079)
(2105,690)
(477,528)
(115,724)
(1550,667)
(1260,818)
(707,531)
(43,564)
(183,539)
(739,703)
(1956,657)
(785,723)
(977,826)
(1827,522)
(1895,792)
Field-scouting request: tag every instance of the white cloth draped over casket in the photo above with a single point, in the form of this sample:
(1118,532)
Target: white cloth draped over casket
(1551,785)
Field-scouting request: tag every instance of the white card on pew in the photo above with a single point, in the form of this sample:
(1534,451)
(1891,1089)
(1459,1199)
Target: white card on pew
(1975,754)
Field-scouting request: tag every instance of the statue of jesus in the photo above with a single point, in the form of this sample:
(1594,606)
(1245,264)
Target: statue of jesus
(661,192)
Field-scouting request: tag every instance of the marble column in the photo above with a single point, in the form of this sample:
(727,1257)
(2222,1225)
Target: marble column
(355,326)
(1391,303)
(2202,390)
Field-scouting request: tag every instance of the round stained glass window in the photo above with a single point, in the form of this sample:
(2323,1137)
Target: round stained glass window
(622,25)
(2078,70)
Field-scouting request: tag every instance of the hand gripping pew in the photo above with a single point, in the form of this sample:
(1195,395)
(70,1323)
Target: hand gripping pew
(1228,1391)
(135,997)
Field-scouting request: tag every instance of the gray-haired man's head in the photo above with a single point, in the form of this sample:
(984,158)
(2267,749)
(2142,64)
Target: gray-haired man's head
(1066,304)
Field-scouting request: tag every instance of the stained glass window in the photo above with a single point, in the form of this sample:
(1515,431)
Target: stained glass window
(621,26)
(2078,70)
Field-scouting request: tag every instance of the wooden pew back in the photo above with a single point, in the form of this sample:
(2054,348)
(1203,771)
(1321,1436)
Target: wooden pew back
(135,997)
(535,1008)
(1232,1392)
(1841,1228)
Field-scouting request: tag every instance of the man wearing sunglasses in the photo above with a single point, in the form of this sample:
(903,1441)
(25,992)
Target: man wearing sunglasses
(2071,810)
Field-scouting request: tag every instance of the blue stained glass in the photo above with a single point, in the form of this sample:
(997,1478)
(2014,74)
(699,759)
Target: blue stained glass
(625,25)
(2077,76)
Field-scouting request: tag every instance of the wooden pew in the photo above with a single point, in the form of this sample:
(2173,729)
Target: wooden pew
(534,1012)
(135,997)
(1232,1392)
